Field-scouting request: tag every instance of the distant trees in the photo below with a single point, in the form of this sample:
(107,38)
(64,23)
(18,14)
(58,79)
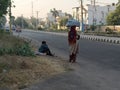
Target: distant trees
(63,21)
(21,21)
(12,20)
(114,17)
(33,21)
(26,22)
(55,13)
(60,19)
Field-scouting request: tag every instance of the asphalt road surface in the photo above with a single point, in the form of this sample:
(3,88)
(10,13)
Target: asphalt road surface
(97,67)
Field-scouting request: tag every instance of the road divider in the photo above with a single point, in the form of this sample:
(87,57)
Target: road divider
(115,40)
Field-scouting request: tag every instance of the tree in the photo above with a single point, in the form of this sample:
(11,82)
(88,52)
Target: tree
(20,20)
(68,15)
(3,7)
(63,21)
(33,21)
(114,17)
(55,13)
(42,23)
(12,20)
(118,2)
(2,21)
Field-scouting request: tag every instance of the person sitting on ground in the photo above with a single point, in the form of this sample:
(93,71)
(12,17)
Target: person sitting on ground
(44,49)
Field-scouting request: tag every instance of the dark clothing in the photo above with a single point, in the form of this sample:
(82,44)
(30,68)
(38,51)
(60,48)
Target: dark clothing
(44,49)
(72,40)
(72,35)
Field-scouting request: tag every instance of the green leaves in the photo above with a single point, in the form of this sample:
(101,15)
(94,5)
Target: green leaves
(114,17)
(3,7)
(18,22)
(23,50)
(63,21)
(54,12)
(14,46)
(2,21)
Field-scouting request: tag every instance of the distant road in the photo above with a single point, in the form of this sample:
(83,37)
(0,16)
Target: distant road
(97,67)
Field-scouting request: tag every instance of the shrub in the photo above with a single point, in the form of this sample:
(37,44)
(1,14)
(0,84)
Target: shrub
(14,46)
(40,28)
(93,27)
(108,30)
(23,50)
(2,51)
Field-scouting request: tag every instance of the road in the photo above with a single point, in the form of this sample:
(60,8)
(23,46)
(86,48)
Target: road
(97,67)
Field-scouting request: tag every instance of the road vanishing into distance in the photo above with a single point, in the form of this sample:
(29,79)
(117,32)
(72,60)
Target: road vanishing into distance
(97,67)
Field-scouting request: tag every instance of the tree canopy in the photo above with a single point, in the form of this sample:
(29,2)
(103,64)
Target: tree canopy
(2,21)
(3,7)
(63,21)
(114,17)
(54,12)
(20,20)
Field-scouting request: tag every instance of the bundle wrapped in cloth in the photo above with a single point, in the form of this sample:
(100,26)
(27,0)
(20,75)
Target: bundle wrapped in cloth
(73,22)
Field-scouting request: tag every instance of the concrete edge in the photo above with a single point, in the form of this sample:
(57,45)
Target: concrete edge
(114,40)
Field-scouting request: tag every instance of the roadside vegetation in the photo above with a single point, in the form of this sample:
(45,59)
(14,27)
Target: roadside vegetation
(19,67)
(14,45)
(102,34)
(96,30)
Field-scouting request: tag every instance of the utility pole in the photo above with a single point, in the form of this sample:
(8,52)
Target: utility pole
(94,3)
(10,16)
(32,8)
(82,24)
(91,2)
(22,22)
(37,12)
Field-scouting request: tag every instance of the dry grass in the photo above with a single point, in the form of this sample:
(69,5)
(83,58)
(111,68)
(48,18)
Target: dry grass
(7,40)
(17,71)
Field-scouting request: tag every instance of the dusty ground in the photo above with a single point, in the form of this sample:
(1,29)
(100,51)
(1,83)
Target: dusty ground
(19,72)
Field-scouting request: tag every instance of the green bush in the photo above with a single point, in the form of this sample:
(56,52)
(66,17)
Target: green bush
(23,50)
(40,28)
(9,51)
(93,27)
(108,30)
(1,31)
(2,51)
(14,46)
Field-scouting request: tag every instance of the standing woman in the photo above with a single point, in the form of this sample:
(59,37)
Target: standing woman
(72,41)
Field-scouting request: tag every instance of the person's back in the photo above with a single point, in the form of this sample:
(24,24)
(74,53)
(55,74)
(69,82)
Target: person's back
(45,49)
(72,35)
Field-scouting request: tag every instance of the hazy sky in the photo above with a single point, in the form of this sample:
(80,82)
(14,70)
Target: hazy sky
(43,6)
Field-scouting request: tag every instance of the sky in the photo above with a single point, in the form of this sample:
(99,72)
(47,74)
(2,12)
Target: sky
(24,7)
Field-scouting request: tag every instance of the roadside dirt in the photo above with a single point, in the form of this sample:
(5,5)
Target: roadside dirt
(18,72)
